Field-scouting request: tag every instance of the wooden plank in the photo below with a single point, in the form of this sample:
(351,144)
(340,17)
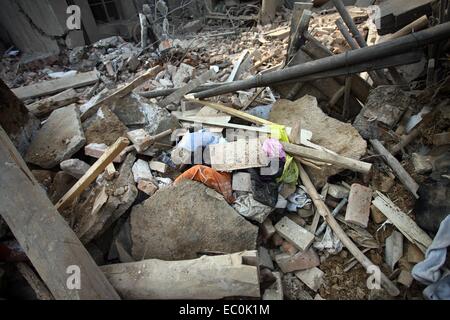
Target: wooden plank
(44,235)
(398,169)
(237,65)
(45,106)
(39,288)
(231,111)
(210,122)
(54,86)
(98,167)
(402,222)
(176,96)
(324,156)
(208,277)
(268,11)
(121,92)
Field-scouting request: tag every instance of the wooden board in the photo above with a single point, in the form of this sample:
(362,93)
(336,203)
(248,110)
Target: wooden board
(46,106)
(208,277)
(402,221)
(42,232)
(121,92)
(54,86)
(98,167)
(232,112)
(396,166)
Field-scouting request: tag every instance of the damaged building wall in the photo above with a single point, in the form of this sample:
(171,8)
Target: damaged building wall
(32,26)
(43,24)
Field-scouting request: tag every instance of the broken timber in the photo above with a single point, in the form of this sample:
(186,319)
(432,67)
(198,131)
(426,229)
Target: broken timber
(42,232)
(191,85)
(208,277)
(98,167)
(349,58)
(398,169)
(45,106)
(54,86)
(402,221)
(121,92)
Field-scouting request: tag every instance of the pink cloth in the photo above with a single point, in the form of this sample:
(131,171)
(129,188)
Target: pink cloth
(274,149)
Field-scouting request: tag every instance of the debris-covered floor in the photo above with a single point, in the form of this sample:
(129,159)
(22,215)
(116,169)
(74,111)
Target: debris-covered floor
(295,151)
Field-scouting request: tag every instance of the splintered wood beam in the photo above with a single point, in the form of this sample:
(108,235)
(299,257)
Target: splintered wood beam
(54,86)
(396,166)
(324,156)
(50,244)
(232,112)
(98,167)
(340,233)
(402,222)
(45,106)
(121,92)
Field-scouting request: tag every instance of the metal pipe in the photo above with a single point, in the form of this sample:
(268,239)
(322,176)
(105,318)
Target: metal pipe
(354,46)
(350,23)
(397,60)
(347,36)
(349,58)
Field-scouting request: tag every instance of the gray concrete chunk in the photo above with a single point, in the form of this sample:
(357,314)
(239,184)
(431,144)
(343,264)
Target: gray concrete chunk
(297,235)
(60,137)
(185,219)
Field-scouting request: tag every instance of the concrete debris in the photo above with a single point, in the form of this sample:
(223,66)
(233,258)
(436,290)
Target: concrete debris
(394,249)
(242,182)
(96,150)
(313,278)
(196,218)
(75,167)
(182,75)
(93,217)
(384,108)
(301,260)
(422,164)
(141,171)
(337,191)
(358,207)
(327,132)
(275,291)
(147,187)
(298,236)
(58,139)
(104,127)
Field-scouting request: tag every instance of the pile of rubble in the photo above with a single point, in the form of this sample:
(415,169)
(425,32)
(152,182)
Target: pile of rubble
(311,167)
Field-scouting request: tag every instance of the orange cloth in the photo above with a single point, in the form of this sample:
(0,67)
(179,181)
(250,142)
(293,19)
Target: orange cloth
(219,181)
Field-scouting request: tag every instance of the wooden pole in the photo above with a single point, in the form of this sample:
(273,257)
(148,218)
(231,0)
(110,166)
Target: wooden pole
(346,241)
(98,167)
(399,171)
(121,92)
(324,156)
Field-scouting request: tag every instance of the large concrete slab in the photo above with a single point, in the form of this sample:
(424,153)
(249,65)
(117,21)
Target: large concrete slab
(60,137)
(327,132)
(179,222)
